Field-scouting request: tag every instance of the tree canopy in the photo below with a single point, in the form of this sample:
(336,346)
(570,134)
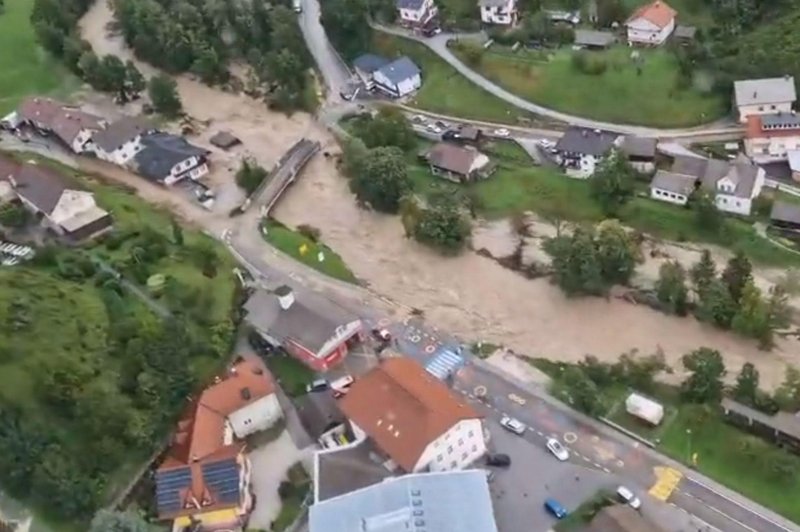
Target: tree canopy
(707,370)
(382,179)
(612,183)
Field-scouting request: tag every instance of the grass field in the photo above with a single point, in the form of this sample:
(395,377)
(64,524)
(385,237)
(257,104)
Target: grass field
(26,68)
(620,94)
(305,250)
(444,90)
(291,373)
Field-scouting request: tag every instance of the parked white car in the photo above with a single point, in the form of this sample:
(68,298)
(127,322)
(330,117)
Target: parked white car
(558,450)
(514,425)
(629,498)
(433,128)
(502,132)
(545,143)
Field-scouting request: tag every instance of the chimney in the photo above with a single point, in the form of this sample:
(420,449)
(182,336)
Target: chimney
(246,394)
(285,296)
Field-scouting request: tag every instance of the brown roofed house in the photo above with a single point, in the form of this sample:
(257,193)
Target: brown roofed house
(651,24)
(71,125)
(460,164)
(414,418)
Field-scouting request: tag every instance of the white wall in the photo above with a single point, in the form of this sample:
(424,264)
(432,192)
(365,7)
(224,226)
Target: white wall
(339,335)
(419,15)
(585,169)
(71,203)
(763,109)
(81,139)
(179,171)
(733,204)
(669,197)
(774,148)
(457,448)
(642,31)
(122,155)
(498,15)
(257,416)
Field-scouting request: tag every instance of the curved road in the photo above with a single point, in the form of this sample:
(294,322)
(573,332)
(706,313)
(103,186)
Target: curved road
(438,44)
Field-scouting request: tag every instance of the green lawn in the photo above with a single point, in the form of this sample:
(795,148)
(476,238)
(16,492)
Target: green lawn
(291,374)
(303,249)
(617,95)
(26,68)
(443,89)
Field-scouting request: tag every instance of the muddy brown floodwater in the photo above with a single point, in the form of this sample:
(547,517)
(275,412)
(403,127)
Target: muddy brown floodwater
(470,295)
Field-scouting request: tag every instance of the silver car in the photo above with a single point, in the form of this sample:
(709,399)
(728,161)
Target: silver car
(514,425)
(558,450)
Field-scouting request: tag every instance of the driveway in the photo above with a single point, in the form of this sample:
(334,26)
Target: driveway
(270,465)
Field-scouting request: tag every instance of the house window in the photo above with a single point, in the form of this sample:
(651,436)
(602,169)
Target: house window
(474,448)
(463,456)
(453,464)
(772,107)
(460,441)
(439,458)
(450,449)
(471,434)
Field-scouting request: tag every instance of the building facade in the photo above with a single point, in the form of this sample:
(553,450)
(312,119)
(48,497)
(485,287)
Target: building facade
(768,96)
(501,12)
(651,24)
(416,13)
(771,137)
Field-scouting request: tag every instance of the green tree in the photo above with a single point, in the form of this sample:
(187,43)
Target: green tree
(113,77)
(752,316)
(707,216)
(576,263)
(390,127)
(354,153)
(443,226)
(134,81)
(640,372)
(345,22)
(616,253)
(250,175)
(90,69)
(382,179)
(737,274)
(671,288)
(788,393)
(707,368)
(703,272)
(612,183)
(582,392)
(177,233)
(473,53)
(208,66)
(716,305)
(163,92)
(746,386)
(127,521)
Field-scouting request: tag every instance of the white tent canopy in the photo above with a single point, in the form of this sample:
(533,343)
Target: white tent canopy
(644,408)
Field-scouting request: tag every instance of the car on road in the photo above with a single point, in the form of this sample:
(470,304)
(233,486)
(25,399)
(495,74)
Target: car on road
(341,385)
(318,385)
(498,460)
(558,450)
(433,128)
(628,497)
(502,132)
(545,143)
(514,425)
(382,334)
(555,508)
(419,119)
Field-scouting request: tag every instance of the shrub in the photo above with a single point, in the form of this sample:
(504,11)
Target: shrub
(285,490)
(588,63)
(310,232)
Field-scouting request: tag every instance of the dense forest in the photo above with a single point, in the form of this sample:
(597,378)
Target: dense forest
(197,36)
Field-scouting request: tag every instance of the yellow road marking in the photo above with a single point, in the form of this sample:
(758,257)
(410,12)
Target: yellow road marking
(667,480)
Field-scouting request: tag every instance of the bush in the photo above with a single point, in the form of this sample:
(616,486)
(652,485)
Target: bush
(285,490)
(310,232)
(588,63)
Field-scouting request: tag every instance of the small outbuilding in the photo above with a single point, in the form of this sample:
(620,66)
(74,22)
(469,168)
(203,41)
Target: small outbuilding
(684,34)
(785,217)
(225,140)
(594,40)
(644,408)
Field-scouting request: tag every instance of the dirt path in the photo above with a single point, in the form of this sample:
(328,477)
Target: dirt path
(469,295)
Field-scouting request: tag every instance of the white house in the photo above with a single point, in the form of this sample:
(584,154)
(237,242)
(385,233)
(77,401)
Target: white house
(736,191)
(672,187)
(365,67)
(121,140)
(399,78)
(416,13)
(413,419)
(770,137)
(498,11)
(245,398)
(581,149)
(764,96)
(66,207)
(651,24)
(167,159)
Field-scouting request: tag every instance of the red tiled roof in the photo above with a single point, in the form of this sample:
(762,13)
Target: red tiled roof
(658,12)
(754,129)
(403,408)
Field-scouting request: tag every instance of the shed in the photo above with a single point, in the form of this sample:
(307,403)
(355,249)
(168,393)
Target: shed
(224,140)
(685,33)
(785,216)
(594,39)
(644,408)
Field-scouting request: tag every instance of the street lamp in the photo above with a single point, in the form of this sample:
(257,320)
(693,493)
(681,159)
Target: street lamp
(689,445)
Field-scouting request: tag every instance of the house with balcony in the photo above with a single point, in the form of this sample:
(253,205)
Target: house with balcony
(121,140)
(309,328)
(501,12)
(581,149)
(767,96)
(166,159)
(413,419)
(416,14)
(772,137)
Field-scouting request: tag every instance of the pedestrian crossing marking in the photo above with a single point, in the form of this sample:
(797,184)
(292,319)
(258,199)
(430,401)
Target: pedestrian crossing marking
(667,481)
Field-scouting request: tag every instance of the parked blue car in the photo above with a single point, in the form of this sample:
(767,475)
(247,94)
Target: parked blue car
(555,508)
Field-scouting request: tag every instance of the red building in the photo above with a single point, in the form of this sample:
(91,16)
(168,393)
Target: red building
(312,330)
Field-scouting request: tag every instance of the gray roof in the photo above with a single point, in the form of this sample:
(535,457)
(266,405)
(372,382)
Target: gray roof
(639,146)
(161,152)
(765,91)
(318,412)
(121,131)
(400,70)
(42,186)
(369,63)
(224,140)
(783,421)
(685,32)
(672,182)
(345,470)
(594,38)
(710,171)
(780,121)
(586,141)
(409,4)
(785,212)
(311,320)
(455,501)
(743,175)
(492,3)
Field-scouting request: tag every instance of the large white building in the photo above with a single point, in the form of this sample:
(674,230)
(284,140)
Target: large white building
(770,137)
(502,12)
(581,149)
(121,140)
(764,96)
(416,13)
(413,418)
(651,24)
(399,78)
